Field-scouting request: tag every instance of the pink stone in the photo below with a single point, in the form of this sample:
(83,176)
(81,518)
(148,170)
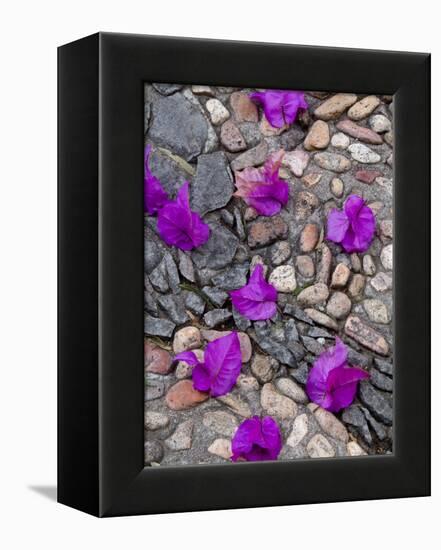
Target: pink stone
(360,132)
(183,396)
(156,359)
(244,109)
(367,176)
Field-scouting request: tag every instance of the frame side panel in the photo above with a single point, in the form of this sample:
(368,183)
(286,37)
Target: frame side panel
(78,87)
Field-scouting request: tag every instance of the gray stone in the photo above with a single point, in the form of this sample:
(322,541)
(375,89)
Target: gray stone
(216,296)
(312,345)
(179,125)
(170,169)
(158,278)
(174,308)
(153,452)
(278,351)
(298,313)
(236,404)
(263,367)
(383,366)
(216,317)
(153,388)
(280,252)
(158,327)
(320,447)
(155,420)
(241,322)
(378,428)
(167,89)
(218,251)
(233,278)
(300,374)
(381,381)
(377,403)
(253,157)
(321,319)
(152,254)
(354,416)
(220,422)
(240,229)
(358,359)
(291,332)
(387,257)
(212,187)
(186,266)
(305,266)
(381,282)
(376,311)
(194,302)
(275,404)
(227,217)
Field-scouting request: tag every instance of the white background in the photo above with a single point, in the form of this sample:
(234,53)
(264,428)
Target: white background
(30,34)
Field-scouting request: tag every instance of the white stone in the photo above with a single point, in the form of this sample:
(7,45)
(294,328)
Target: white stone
(387,257)
(382,282)
(296,161)
(299,430)
(380,124)
(220,422)
(376,311)
(354,449)
(364,107)
(247,383)
(340,141)
(368,265)
(283,278)
(202,90)
(362,153)
(331,425)
(221,447)
(186,338)
(337,187)
(218,113)
(386,184)
(276,404)
(181,438)
(291,389)
(155,420)
(319,447)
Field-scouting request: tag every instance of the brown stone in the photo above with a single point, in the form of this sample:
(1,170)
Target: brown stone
(183,396)
(312,295)
(332,161)
(324,268)
(317,137)
(231,137)
(321,318)
(364,107)
(268,131)
(186,338)
(267,231)
(340,276)
(311,179)
(360,132)
(253,157)
(244,341)
(366,335)
(243,108)
(305,266)
(367,176)
(309,237)
(156,359)
(339,305)
(331,425)
(305,204)
(356,286)
(335,106)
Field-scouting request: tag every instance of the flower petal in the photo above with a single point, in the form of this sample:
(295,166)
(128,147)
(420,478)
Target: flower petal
(257,439)
(201,377)
(337,225)
(280,106)
(154,195)
(223,361)
(257,299)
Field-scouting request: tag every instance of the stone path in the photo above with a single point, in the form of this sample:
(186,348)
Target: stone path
(343,144)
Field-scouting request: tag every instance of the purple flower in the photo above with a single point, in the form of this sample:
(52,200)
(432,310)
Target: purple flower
(221,367)
(179,226)
(353,227)
(154,195)
(256,439)
(262,188)
(280,106)
(256,300)
(332,383)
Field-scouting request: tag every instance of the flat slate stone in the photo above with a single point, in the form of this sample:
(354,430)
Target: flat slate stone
(218,251)
(213,184)
(376,402)
(171,170)
(167,89)
(178,125)
(158,327)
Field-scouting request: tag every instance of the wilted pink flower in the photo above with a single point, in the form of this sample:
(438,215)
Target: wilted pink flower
(154,195)
(220,369)
(353,227)
(179,226)
(332,383)
(280,106)
(256,439)
(262,188)
(257,299)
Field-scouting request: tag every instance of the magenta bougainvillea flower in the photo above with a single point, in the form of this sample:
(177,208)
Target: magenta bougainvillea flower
(262,188)
(256,439)
(257,299)
(179,226)
(280,106)
(154,195)
(220,369)
(353,227)
(332,383)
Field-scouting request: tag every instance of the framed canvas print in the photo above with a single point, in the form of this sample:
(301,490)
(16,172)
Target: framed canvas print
(244,308)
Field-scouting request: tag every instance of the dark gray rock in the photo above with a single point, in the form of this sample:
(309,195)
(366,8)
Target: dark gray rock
(358,359)
(381,381)
(383,366)
(312,345)
(278,351)
(218,251)
(213,184)
(153,452)
(158,278)
(172,273)
(227,217)
(240,229)
(158,327)
(152,254)
(215,295)
(253,157)
(153,389)
(233,278)
(378,428)
(171,170)
(262,329)
(297,350)
(186,266)
(241,322)
(178,125)
(298,313)
(378,403)
(167,89)
(150,305)
(300,374)
(194,302)
(216,317)
(354,416)
(291,138)
(173,306)
(291,332)
(317,332)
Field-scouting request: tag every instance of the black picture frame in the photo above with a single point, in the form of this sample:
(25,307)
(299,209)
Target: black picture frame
(100,284)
